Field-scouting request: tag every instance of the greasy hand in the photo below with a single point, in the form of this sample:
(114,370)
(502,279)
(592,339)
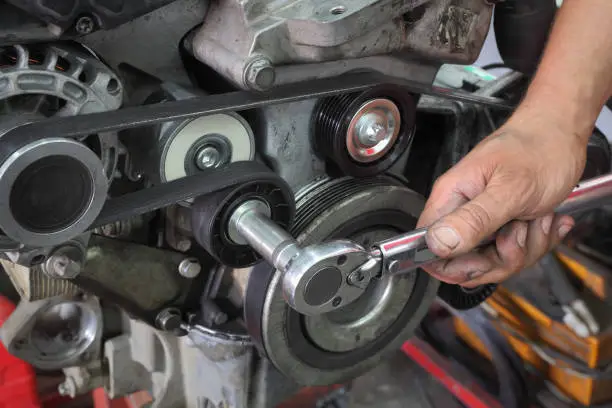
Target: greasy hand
(516,176)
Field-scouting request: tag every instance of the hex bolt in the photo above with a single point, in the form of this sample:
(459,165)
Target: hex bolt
(169,319)
(208,157)
(85,25)
(259,74)
(189,268)
(371,129)
(183,245)
(62,266)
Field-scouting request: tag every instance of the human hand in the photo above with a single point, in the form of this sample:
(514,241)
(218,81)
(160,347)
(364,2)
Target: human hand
(512,179)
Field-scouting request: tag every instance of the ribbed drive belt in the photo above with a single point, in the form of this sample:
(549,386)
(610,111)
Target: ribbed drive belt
(77,126)
(205,182)
(216,179)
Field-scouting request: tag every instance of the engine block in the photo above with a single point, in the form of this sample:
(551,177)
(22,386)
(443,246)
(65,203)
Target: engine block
(321,113)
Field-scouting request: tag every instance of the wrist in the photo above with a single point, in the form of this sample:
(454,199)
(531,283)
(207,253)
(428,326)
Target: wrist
(547,128)
(554,106)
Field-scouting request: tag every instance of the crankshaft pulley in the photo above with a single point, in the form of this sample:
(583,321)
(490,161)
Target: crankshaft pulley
(332,347)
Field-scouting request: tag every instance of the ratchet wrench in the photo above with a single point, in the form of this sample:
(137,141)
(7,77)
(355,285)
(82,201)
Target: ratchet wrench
(319,278)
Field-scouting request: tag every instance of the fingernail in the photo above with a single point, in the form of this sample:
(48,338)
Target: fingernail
(474,274)
(564,230)
(521,235)
(445,238)
(546,223)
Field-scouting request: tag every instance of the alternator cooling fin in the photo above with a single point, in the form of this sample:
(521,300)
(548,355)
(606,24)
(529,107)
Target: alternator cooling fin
(39,82)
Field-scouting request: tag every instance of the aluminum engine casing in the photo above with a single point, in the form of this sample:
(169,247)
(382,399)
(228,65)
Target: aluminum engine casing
(252,42)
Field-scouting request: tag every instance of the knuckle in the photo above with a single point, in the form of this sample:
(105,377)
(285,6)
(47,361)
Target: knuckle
(441,183)
(435,268)
(513,258)
(475,217)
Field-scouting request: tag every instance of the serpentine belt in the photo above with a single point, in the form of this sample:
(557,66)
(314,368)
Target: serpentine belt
(218,179)
(205,182)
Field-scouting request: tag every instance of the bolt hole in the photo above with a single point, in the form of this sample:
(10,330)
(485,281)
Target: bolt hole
(336,302)
(83,77)
(113,86)
(336,11)
(341,260)
(37,260)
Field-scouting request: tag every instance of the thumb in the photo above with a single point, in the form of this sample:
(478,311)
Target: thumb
(464,228)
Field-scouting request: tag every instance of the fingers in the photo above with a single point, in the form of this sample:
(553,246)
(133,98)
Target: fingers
(519,244)
(443,200)
(471,223)
(509,251)
(455,188)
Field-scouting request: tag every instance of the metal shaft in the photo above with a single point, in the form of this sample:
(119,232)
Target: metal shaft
(588,195)
(409,251)
(272,242)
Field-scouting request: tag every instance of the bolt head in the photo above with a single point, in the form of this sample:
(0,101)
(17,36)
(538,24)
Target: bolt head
(259,74)
(220,318)
(183,245)
(62,266)
(169,320)
(371,129)
(189,268)
(208,157)
(375,132)
(85,25)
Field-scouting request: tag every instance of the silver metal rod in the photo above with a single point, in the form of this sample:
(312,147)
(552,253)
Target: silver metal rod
(409,251)
(588,195)
(269,240)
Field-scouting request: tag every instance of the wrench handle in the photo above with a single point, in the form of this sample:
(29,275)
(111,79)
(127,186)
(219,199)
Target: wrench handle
(407,252)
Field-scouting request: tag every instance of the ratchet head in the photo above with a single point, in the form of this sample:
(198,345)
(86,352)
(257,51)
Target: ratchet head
(324,277)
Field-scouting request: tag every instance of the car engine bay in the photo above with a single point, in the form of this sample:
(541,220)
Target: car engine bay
(136,137)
